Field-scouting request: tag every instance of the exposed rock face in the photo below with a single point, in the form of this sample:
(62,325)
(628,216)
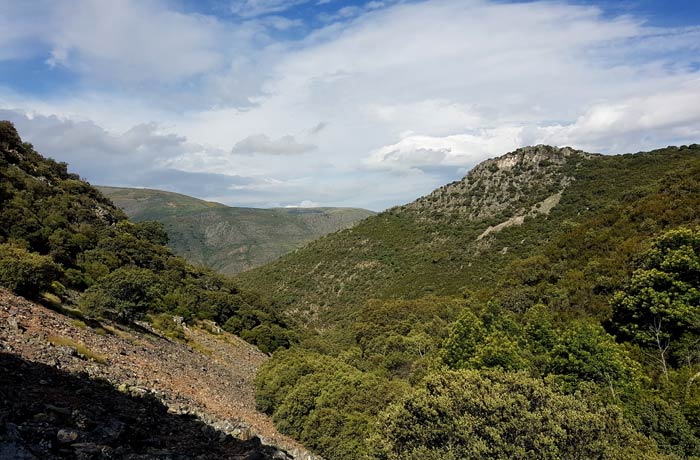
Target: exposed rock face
(502,187)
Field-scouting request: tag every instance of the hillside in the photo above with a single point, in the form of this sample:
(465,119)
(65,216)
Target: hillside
(230,239)
(545,306)
(117,312)
(463,236)
(55,367)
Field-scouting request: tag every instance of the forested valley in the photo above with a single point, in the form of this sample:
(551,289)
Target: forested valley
(546,306)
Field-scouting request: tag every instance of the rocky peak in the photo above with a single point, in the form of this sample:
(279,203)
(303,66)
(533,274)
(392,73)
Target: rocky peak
(502,187)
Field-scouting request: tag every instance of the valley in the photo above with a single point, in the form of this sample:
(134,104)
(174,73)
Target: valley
(545,306)
(230,239)
(350,230)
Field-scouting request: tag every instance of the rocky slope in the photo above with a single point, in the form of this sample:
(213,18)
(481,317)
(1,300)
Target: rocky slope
(230,239)
(74,390)
(503,187)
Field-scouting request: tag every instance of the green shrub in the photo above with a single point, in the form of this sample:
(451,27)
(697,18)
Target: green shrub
(126,294)
(26,273)
(469,414)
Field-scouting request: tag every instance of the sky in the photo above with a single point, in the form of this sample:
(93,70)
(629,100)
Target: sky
(274,103)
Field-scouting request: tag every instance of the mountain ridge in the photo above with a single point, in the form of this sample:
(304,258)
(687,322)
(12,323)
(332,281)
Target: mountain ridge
(230,239)
(445,242)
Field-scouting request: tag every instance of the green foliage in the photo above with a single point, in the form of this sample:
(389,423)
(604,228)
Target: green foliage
(59,231)
(328,405)
(153,232)
(26,273)
(466,336)
(572,353)
(585,352)
(126,294)
(399,338)
(664,422)
(660,306)
(494,415)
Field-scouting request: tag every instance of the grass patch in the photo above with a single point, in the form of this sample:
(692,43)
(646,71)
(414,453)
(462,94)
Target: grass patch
(165,324)
(79,324)
(118,332)
(102,331)
(80,348)
(51,299)
(200,348)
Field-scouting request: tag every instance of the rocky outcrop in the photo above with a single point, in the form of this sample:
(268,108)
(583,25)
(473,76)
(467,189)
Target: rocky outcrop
(503,187)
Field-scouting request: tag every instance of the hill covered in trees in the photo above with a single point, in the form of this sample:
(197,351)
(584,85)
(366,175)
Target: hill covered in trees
(63,241)
(545,306)
(230,239)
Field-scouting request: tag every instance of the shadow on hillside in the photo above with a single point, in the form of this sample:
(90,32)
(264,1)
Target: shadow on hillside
(46,413)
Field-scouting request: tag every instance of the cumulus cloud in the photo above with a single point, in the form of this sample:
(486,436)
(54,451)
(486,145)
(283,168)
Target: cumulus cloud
(136,157)
(421,152)
(425,89)
(656,119)
(261,143)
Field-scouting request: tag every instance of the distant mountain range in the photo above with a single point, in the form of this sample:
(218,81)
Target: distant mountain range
(230,239)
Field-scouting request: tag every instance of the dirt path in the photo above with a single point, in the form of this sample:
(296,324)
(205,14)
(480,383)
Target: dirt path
(213,380)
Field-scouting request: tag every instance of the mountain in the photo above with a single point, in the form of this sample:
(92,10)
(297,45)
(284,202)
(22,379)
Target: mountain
(547,305)
(464,235)
(230,239)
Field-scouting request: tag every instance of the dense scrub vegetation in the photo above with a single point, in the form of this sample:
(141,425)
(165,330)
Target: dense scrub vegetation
(580,339)
(61,235)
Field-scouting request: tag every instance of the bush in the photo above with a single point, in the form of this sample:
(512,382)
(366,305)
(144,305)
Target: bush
(126,294)
(26,273)
(494,415)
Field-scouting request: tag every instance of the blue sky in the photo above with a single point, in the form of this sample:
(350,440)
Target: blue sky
(340,103)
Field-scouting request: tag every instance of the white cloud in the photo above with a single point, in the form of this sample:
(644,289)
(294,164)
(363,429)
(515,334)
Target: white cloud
(423,88)
(416,152)
(261,143)
(102,156)
(304,204)
(133,41)
(254,8)
(655,119)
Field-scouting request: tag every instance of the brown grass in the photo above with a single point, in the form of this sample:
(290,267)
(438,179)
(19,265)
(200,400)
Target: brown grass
(80,348)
